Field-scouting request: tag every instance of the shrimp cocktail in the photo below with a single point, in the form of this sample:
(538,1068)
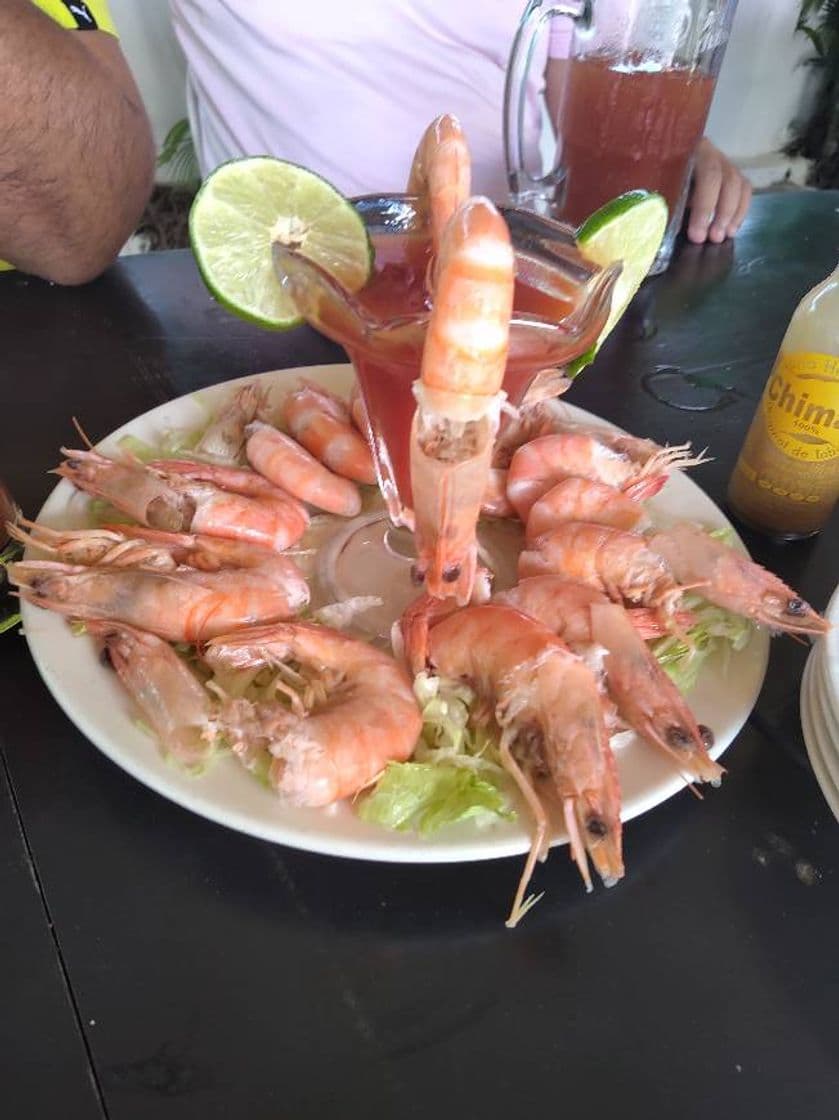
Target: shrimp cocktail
(560,305)
(561,300)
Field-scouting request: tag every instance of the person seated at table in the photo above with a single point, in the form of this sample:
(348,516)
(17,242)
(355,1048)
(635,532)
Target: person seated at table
(76,151)
(347,90)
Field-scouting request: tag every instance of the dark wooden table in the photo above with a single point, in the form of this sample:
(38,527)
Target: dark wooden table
(153,964)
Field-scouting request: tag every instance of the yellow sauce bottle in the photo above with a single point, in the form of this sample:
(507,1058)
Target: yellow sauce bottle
(786,480)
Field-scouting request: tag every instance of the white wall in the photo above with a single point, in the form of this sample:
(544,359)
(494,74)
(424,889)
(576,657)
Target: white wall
(761,84)
(760,88)
(153,53)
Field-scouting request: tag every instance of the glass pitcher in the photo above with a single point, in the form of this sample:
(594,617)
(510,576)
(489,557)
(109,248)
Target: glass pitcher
(631,83)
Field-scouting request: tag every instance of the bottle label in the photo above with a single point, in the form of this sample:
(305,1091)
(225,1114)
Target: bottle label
(801,406)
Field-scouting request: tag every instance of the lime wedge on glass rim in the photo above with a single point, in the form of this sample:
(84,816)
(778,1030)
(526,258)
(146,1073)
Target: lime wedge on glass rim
(247,204)
(628,229)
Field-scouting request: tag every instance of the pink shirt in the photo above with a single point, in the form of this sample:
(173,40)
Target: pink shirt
(346,87)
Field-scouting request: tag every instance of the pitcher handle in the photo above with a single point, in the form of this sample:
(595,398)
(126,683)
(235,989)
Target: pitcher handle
(522,185)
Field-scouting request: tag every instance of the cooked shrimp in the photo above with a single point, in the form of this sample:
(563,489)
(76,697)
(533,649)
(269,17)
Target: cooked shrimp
(321,423)
(282,460)
(358,410)
(362,716)
(138,546)
(441,173)
(547,705)
(495,502)
(583,499)
(105,545)
(616,459)
(170,499)
(733,581)
(524,424)
(645,696)
(196,550)
(224,437)
(238,480)
(170,697)
(546,386)
(458,397)
(409,634)
(619,563)
(182,605)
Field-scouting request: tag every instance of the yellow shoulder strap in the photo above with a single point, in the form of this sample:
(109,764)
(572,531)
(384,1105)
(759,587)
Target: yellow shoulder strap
(79,15)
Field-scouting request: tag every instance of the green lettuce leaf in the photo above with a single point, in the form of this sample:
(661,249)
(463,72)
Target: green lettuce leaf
(426,796)
(456,772)
(682,658)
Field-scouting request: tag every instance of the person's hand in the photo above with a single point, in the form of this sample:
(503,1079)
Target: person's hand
(719,198)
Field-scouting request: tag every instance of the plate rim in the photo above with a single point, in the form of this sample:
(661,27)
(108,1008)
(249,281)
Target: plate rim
(391,847)
(824,778)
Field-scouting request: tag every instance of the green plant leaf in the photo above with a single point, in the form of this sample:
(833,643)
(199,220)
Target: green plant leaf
(178,154)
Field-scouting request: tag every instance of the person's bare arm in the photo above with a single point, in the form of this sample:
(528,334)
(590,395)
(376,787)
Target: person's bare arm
(76,153)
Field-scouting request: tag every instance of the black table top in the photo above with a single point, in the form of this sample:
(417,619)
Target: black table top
(156,964)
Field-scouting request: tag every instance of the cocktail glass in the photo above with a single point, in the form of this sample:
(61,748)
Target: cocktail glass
(561,304)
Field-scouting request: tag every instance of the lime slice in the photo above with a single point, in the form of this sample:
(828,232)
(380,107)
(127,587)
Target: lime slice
(247,204)
(628,229)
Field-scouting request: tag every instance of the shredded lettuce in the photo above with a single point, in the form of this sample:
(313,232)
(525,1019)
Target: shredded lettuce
(455,773)
(173,443)
(102,513)
(426,796)
(9,554)
(9,622)
(725,534)
(682,657)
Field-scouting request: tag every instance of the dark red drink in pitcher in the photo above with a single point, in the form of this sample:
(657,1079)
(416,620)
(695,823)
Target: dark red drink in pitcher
(633,80)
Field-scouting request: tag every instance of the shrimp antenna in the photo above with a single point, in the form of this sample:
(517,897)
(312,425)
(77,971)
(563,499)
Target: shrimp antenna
(85,438)
(578,852)
(538,845)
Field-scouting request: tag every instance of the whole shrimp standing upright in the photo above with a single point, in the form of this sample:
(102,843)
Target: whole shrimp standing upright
(458,395)
(441,173)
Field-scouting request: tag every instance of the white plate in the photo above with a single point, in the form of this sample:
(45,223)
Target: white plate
(820,703)
(93,699)
(811,726)
(830,652)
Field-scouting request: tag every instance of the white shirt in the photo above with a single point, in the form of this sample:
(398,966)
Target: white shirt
(347,87)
